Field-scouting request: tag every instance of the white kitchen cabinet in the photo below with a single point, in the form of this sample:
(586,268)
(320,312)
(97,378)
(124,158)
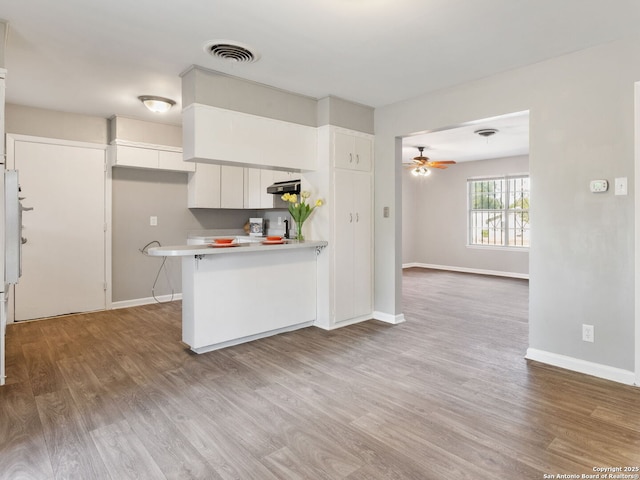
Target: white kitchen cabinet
(204,186)
(231,187)
(173,161)
(346,221)
(251,188)
(352,252)
(151,158)
(256,181)
(353,152)
(213,134)
(283,176)
(216,186)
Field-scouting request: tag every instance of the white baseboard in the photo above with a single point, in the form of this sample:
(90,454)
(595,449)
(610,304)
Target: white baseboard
(345,323)
(582,366)
(478,271)
(389,318)
(250,338)
(145,301)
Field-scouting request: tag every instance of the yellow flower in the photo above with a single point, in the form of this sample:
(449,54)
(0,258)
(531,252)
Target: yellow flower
(300,210)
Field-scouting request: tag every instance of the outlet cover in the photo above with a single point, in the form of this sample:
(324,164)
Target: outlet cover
(587,333)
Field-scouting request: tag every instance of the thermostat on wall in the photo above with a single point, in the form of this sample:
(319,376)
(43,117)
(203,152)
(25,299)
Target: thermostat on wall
(598,186)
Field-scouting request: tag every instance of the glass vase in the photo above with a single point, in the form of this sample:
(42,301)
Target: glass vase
(299,235)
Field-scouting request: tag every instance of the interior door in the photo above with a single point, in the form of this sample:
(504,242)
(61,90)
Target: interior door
(63,261)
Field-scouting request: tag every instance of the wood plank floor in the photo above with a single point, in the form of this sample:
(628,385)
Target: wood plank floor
(446,395)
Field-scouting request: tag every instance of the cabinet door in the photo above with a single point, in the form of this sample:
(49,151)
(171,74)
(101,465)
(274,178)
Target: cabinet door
(362,271)
(363,154)
(136,157)
(173,161)
(231,187)
(343,150)
(204,186)
(343,245)
(266,180)
(251,188)
(282,176)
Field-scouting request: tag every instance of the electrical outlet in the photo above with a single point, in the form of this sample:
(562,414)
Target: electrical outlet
(587,333)
(153,221)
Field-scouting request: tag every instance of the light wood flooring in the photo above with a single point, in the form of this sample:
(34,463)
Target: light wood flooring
(446,395)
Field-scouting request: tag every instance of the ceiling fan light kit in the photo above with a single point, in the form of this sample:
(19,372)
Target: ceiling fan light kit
(421,171)
(423,164)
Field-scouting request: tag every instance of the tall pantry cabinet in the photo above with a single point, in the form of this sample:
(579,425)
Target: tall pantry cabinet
(344,178)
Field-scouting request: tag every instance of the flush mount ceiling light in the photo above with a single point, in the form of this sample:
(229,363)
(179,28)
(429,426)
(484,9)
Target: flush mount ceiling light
(486,132)
(156,104)
(231,51)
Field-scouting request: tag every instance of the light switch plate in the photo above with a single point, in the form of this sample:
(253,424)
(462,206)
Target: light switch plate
(620,186)
(598,186)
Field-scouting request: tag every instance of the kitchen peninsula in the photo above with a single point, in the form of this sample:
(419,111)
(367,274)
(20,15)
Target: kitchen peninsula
(241,292)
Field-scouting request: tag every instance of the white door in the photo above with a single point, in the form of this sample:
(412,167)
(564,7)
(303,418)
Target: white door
(63,261)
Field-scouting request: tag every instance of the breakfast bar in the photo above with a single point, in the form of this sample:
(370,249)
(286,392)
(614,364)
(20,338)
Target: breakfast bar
(238,292)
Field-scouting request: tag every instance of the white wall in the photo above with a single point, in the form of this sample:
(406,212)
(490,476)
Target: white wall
(581,128)
(434,220)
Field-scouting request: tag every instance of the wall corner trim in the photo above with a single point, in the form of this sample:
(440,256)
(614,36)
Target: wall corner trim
(389,318)
(582,366)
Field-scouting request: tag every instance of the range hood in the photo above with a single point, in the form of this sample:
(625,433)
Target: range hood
(289,186)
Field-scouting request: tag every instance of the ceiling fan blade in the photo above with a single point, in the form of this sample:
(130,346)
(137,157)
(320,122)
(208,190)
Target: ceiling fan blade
(447,162)
(429,165)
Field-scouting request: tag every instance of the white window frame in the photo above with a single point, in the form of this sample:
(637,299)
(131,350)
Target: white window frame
(505,212)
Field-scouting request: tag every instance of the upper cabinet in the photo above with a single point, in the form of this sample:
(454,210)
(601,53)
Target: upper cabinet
(203,189)
(216,135)
(231,187)
(149,157)
(352,151)
(256,181)
(223,186)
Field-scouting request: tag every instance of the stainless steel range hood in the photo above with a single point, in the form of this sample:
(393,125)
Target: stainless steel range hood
(280,188)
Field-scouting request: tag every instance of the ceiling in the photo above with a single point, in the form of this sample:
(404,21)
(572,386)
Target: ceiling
(463,144)
(97,57)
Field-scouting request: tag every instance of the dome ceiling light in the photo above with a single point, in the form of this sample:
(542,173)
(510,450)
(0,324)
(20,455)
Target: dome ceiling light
(157,104)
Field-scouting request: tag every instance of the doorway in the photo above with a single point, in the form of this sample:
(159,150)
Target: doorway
(64,257)
(444,227)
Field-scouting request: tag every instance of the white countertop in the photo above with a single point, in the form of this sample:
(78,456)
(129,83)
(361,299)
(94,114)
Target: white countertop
(187,250)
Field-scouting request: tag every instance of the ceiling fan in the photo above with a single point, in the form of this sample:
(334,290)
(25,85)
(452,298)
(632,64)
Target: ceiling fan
(421,164)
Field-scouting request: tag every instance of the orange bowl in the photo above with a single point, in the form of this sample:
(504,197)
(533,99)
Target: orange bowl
(223,240)
(274,239)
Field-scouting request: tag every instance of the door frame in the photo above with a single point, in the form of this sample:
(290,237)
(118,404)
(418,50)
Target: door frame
(11,138)
(635,192)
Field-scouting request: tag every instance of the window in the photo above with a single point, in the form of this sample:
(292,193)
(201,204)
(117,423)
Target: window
(499,211)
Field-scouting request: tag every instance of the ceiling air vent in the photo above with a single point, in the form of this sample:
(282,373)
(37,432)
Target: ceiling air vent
(231,51)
